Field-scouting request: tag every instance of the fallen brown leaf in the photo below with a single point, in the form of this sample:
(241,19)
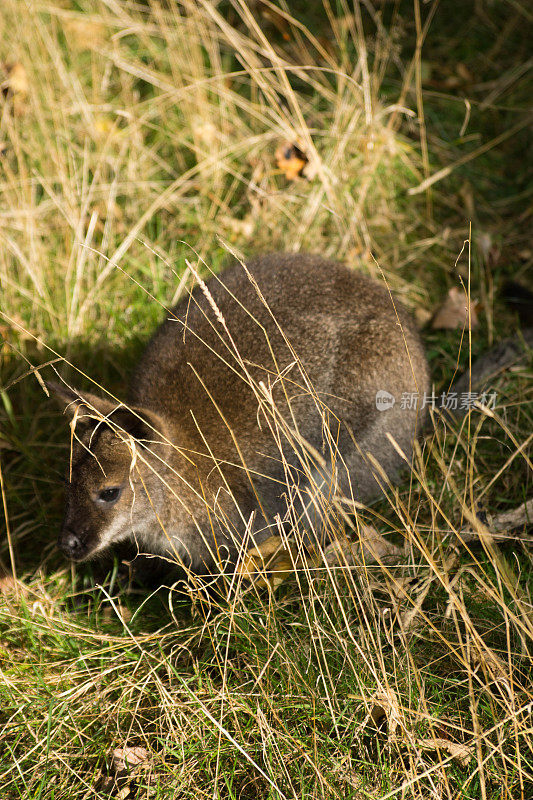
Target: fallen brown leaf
(205,133)
(291,160)
(502,525)
(370,547)
(238,228)
(385,713)
(516,518)
(124,759)
(453,313)
(110,613)
(422,316)
(460,752)
(84,34)
(8,585)
(343,772)
(494,669)
(15,86)
(408,619)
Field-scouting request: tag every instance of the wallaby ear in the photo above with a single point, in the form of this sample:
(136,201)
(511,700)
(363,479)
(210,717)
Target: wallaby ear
(80,404)
(138,422)
(88,409)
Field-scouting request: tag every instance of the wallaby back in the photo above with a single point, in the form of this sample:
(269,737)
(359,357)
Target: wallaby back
(257,391)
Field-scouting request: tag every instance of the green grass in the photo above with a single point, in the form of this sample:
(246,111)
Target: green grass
(146,135)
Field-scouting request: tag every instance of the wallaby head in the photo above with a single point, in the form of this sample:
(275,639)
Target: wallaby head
(127,480)
(257,402)
(115,451)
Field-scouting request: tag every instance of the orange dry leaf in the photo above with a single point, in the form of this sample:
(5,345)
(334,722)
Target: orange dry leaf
(291,160)
(15,86)
(453,313)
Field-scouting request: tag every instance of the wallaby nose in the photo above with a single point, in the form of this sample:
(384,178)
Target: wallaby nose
(70,544)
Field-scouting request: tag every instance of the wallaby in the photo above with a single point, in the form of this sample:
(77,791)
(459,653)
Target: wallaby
(278,380)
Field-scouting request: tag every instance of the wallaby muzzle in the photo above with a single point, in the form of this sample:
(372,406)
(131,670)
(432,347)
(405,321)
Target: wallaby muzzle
(72,545)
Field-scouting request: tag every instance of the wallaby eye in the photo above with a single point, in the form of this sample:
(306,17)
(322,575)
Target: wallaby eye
(110,495)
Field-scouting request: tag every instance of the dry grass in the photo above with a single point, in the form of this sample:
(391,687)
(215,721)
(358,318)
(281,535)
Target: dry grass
(139,135)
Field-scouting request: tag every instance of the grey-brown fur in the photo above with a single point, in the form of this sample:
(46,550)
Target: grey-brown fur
(316,335)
